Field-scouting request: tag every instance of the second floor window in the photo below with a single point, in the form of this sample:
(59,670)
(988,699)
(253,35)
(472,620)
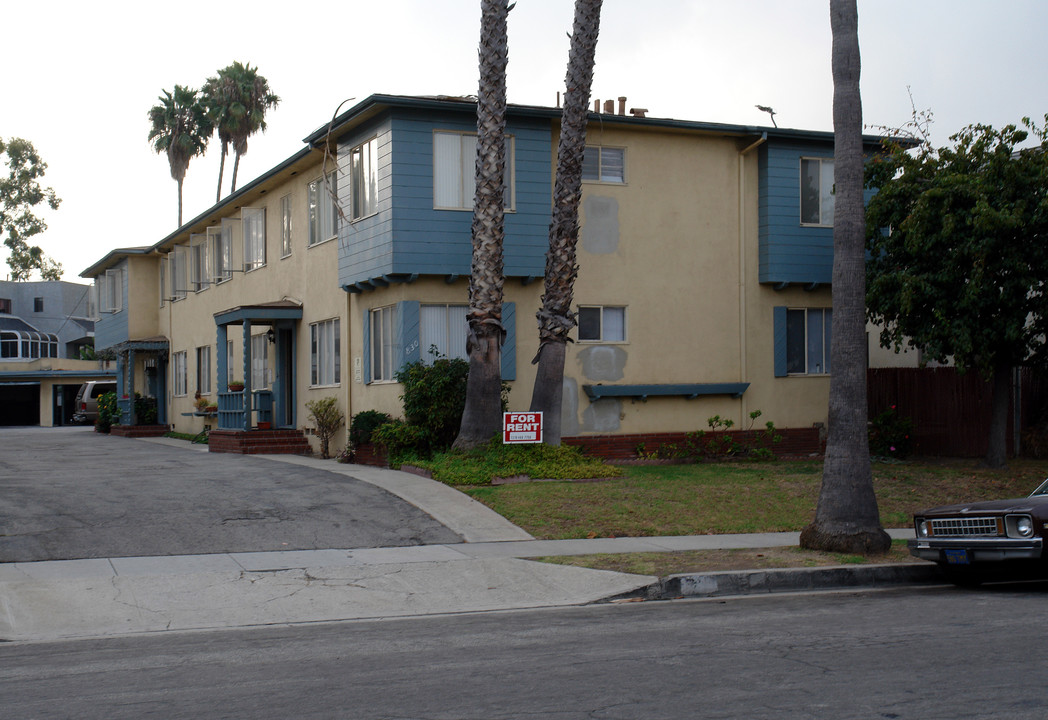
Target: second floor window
(285,226)
(220,248)
(816,191)
(110,291)
(323,208)
(604,164)
(199,263)
(254,220)
(455,173)
(363,178)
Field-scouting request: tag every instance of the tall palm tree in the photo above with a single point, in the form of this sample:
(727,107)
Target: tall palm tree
(180,128)
(237,100)
(555,317)
(846,519)
(481,417)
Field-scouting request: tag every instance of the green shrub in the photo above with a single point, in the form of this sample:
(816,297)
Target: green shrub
(145,410)
(327,417)
(401,441)
(364,424)
(434,397)
(108,412)
(890,434)
(537,461)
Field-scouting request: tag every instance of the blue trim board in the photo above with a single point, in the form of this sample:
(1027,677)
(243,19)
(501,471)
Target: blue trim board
(686,390)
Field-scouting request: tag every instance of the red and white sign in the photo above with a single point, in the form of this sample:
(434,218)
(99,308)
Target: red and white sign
(521,427)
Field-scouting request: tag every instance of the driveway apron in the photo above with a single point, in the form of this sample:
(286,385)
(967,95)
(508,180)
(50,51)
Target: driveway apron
(69,493)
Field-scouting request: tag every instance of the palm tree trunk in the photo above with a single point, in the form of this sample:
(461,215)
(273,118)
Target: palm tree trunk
(847,518)
(221,171)
(179,203)
(481,417)
(236,167)
(997,453)
(556,318)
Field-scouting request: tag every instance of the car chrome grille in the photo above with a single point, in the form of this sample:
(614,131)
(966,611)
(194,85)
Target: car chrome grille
(966,527)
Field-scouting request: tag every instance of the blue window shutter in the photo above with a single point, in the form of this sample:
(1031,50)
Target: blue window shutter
(509,348)
(367,345)
(406,317)
(779,336)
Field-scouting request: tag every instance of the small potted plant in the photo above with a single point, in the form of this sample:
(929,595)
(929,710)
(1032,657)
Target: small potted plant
(236,385)
(211,409)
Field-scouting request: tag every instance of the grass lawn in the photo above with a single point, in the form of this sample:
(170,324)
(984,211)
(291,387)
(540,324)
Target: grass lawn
(738,497)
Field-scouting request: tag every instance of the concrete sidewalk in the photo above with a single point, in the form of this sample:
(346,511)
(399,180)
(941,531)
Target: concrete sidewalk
(42,601)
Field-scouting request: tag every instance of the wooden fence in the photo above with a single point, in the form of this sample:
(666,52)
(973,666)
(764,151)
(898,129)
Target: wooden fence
(950,411)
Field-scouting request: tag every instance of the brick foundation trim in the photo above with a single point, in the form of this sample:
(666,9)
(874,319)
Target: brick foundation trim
(139,431)
(259,442)
(795,442)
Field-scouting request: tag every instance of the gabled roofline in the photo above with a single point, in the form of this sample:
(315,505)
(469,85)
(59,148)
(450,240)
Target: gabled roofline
(112,258)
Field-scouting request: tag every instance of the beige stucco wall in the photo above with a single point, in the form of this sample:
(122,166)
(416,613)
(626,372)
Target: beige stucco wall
(143,292)
(308,276)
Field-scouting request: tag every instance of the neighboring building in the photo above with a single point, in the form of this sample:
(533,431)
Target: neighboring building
(704,284)
(43,326)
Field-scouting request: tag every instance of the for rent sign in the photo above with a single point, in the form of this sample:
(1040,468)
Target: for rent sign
(518,427)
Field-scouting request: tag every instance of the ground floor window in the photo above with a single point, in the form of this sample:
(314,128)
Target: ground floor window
(602,323)
(383,344)
(325,353)
(444,328)
(178,369)
(203,370)
(808,341)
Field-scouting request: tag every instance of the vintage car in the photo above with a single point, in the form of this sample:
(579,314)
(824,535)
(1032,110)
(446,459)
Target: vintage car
(986,541)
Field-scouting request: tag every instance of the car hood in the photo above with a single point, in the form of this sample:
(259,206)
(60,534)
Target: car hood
(1027,504)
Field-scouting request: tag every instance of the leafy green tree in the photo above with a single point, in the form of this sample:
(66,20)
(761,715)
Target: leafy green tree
(328,419)
(556,318)
(237,100)
(846,518)
(179,128)
(481,418)
(20,193)
(960,269)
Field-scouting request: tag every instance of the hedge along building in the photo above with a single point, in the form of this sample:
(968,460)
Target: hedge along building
(705,260)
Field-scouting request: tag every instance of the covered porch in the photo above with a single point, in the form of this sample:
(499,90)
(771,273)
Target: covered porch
(258,419)
(142,370)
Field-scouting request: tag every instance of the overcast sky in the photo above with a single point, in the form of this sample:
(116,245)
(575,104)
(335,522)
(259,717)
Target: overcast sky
(79,77)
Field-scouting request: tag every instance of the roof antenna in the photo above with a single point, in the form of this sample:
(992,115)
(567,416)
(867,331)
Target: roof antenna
(765,108)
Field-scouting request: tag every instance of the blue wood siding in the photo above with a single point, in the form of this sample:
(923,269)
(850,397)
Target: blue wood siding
(409,236)
(789,252)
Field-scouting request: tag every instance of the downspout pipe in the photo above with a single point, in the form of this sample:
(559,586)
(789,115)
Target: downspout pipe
(743,267)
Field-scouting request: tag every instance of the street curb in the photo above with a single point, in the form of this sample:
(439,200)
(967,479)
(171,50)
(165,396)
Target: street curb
(763,582)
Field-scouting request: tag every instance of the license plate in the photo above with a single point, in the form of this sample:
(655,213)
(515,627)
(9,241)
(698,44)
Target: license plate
(957,556)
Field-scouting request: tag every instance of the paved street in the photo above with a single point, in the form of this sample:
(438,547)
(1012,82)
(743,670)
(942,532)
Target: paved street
(914,654)
(71,493)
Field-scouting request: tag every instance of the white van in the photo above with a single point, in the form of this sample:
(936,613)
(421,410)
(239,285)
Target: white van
(87,399)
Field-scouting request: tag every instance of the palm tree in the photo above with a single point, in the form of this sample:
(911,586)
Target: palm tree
(237,100)
(481,416)
(555,317)
(846,519)
(180,128)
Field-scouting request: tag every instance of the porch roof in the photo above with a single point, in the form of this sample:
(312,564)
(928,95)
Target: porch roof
(151,343)
(261,313)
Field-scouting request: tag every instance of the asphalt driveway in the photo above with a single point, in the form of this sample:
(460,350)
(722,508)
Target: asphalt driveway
(69,493)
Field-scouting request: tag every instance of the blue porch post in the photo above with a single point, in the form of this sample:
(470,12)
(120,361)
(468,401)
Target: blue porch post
(247,374)
(221,361)
(132,420)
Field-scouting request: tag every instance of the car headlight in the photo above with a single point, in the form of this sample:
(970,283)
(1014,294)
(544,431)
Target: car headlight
(922,528)
(1024,526)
